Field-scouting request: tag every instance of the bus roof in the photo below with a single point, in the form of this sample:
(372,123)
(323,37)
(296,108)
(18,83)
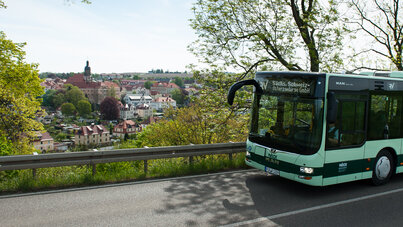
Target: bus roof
(394,74)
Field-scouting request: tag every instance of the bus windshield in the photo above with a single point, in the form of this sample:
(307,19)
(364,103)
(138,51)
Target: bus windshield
(292,124)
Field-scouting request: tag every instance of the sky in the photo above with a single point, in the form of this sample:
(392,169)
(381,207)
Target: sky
(114,36)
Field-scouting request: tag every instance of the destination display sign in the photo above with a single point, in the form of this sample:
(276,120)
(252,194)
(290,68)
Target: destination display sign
(295,86)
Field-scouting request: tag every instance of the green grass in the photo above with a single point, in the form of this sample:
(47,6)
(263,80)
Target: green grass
(78,176)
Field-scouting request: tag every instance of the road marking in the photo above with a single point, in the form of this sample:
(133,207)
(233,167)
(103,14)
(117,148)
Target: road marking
(269,218)
(124,184)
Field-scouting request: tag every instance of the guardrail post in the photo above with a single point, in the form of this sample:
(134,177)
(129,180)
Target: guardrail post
(34,170)
(191,157)
(94,169)
(145,166)
(230,156)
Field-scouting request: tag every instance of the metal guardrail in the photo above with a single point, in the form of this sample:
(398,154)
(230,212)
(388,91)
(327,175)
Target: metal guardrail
(94,157)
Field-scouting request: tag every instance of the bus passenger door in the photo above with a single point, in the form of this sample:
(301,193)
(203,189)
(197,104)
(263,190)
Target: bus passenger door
(345,140)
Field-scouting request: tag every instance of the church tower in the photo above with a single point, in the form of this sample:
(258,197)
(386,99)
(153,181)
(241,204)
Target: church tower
(87,73)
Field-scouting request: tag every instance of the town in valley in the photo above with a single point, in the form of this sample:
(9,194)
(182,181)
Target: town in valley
(85,111)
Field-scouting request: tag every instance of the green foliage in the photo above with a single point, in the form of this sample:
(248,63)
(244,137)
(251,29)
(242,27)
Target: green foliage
(68,109)
(61,136)
(69,94)
(111,92)
(179,97)
(178,81)
(6,147)
(58,99)
(148,84)
(19,91)
(73,94)
(48,98)
(209,119)
(276,34)
(83,107)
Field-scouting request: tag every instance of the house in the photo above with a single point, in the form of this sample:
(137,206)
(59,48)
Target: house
(163,88)
(43,142)
(61,147)
(161,103)
(53,84)
(137,99)
(144,111)
(149,121)
(93,134)
(128,127)
(132,82)
(127,111)
(47,119)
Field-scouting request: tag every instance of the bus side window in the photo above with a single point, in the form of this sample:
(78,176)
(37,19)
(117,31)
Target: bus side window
(349,129)
(353,123)
(385,117)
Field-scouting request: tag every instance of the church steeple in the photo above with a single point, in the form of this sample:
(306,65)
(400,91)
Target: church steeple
(87,72)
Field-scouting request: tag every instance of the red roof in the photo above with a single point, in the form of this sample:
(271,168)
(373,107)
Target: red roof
(167,85)
(41,136)
(109,84)
(164,99)
(78,80)
(125,124)
(92,129)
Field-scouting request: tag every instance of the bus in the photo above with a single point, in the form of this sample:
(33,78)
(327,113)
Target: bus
(325,128)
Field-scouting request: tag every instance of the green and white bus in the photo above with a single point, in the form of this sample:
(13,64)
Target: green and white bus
(325,128)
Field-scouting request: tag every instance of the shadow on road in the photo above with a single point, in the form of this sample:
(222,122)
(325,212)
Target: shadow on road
(235,197)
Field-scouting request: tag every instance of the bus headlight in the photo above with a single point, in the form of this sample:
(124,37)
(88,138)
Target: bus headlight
(247,153)
(307,170)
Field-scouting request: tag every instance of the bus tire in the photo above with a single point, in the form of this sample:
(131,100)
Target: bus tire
(383,168)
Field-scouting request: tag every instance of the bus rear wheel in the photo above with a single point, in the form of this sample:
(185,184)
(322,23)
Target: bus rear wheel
(383,168)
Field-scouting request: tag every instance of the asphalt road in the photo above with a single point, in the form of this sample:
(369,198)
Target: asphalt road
(246,198)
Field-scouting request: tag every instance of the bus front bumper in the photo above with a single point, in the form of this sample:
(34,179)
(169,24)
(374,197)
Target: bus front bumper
(309,180)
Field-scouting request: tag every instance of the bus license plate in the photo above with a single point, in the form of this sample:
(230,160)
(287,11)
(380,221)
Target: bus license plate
(271,171)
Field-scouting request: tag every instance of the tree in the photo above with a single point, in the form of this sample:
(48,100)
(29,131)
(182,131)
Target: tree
(111,92)
(48,98)
(148,84)
(178,96)
(58,99)
(209,119)
(193,125)
(84,107)
(19,91)
(73,94)
(68,109)
(279,34)
(382,22)
(178,81)
(110,109)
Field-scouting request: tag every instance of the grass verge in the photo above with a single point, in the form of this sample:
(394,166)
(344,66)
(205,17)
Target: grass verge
(78,176)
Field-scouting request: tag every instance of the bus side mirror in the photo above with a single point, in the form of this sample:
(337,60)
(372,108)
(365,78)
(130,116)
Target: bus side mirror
(235,87)
(332,104)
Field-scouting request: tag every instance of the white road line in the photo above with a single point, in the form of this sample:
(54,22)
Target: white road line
(123,184)
(269,218)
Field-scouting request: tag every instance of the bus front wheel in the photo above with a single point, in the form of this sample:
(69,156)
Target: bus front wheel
(383,168)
